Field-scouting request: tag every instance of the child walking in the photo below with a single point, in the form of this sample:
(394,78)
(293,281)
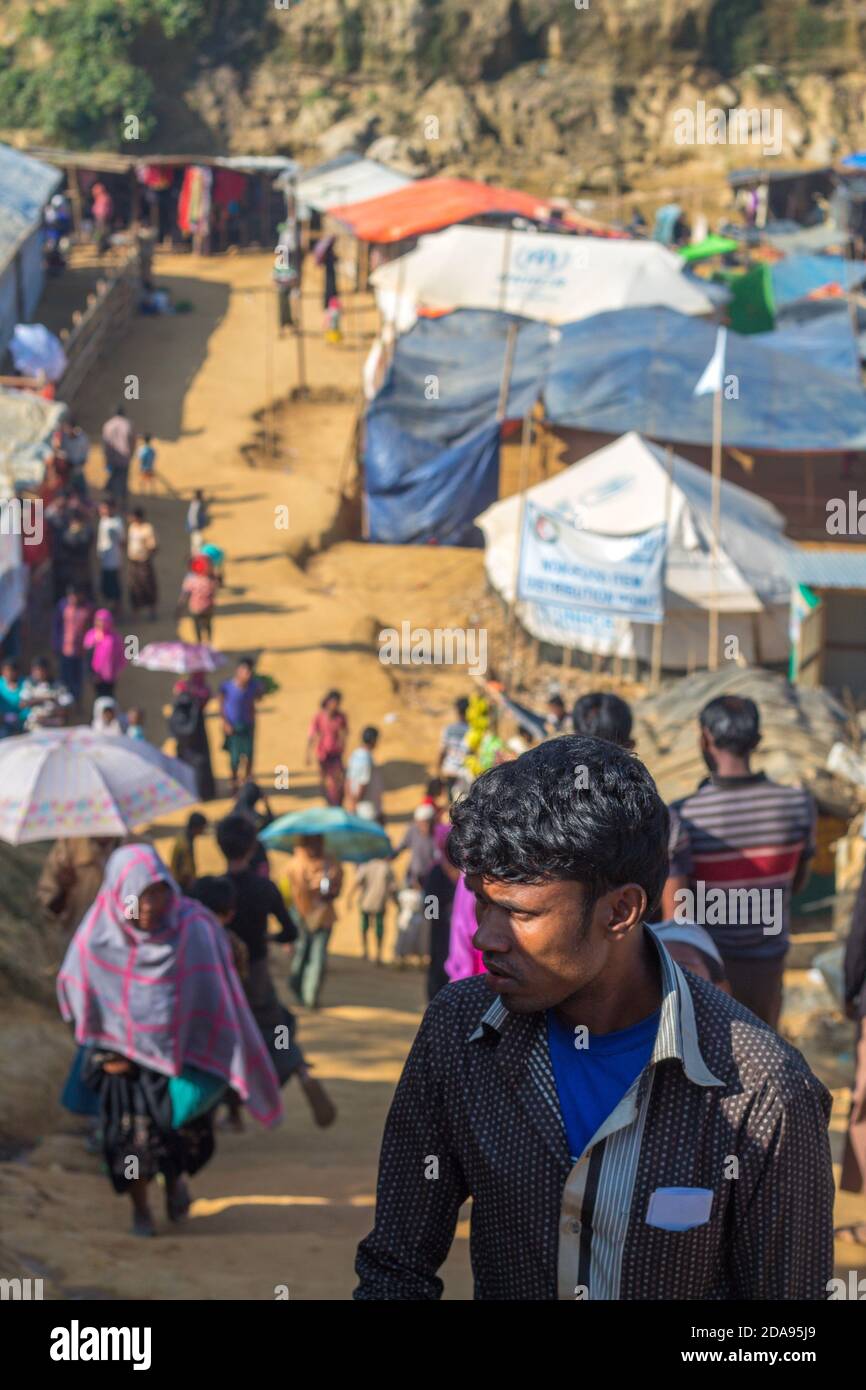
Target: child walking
(375,885)
(147,465)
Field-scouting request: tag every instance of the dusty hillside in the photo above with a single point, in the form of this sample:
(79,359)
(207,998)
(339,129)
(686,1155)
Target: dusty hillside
(34,1045)
(553,95)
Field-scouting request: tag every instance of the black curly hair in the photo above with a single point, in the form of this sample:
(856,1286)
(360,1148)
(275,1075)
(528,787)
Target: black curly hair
(573,808)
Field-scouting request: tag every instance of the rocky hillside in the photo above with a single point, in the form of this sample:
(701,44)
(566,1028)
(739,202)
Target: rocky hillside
(556,95)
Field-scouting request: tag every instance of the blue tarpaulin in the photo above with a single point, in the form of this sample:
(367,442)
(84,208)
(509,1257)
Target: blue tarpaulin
(431,461)
(432,453)
(25,186)
(796,276)
(636,369)
(821,329)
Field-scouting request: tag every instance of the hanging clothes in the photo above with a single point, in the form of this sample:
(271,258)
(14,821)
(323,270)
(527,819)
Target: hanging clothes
(193,213)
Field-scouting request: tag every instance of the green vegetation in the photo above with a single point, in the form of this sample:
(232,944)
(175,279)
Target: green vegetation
(350,41)
(737,35)
(94,77)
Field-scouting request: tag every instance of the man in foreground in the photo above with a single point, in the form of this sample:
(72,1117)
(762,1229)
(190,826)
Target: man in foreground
(625,1131)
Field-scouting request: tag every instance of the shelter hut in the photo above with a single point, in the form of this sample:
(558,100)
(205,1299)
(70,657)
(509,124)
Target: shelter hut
(343,182)
(244,204)
(26,185)
(626,490)
(792,195)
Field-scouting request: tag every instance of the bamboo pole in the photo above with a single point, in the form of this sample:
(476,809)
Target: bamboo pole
(507,368)
(525,445)
(269,379)
(713,650)
(659,628)
(300,346)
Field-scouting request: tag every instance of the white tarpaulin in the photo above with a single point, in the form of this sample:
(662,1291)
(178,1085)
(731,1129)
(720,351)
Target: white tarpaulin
(546,276)
(565,565)
(13,575)
(348,183)
(26,425)
(622,491)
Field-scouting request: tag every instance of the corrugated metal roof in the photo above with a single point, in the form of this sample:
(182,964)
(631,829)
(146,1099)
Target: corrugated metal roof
(25,186)
(830,569)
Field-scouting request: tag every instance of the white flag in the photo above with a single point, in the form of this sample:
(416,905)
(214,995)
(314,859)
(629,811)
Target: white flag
(713,378)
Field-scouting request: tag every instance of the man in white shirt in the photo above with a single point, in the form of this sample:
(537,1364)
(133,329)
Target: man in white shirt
(110,540)
(364,780)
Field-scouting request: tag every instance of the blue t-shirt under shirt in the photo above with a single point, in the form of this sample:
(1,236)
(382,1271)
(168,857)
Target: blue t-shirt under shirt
(592,1079)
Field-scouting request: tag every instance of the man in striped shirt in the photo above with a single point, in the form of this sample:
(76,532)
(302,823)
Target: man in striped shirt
(750,843)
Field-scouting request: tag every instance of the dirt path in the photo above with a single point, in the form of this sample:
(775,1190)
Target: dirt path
(288,1207)
(285,1208)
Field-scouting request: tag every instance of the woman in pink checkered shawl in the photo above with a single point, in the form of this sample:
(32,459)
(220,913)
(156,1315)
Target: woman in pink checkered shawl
(149,983)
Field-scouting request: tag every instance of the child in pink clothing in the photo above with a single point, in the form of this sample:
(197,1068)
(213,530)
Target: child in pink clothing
(107,658)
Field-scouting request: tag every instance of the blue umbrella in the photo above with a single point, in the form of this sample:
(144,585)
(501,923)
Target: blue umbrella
(347,837)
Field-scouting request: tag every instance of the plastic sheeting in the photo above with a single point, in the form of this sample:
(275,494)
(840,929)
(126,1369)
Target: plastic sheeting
(820,331)
(346,180)
(632,369)
(13,579)
(26,184)
(622,490)
(432,440)
(549,277)
(26,425)
(799,275)
(428,204)
(637,370)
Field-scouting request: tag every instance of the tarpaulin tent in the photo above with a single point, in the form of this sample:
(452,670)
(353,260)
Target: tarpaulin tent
(622,490)
(26,424)
(799,275)
(429,204)
(346,180)
(25,186)
(838,330)
(788,238)
(821,331)
(551,277)
(14,576)
(432,439)
(637,369)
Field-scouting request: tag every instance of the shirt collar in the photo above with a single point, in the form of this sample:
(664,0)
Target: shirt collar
(677,1036)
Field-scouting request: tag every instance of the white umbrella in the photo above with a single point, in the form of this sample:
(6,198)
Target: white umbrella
(60,783)
(547,276)
(179,657)
(35,349)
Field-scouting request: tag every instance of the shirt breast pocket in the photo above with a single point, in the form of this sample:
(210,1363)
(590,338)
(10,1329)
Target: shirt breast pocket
(679,1209)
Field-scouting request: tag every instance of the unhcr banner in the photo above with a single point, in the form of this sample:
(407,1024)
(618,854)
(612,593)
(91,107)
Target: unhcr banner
(563,565)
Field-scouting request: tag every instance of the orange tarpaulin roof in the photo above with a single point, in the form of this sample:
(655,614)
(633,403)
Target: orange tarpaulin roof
(430,204)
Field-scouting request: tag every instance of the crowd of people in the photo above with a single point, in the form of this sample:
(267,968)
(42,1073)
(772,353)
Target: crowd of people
(526,872)
(528,868)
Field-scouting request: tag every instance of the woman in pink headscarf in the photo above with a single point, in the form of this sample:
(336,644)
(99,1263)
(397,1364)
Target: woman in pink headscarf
(107,658)
(149,983)
(463,959)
